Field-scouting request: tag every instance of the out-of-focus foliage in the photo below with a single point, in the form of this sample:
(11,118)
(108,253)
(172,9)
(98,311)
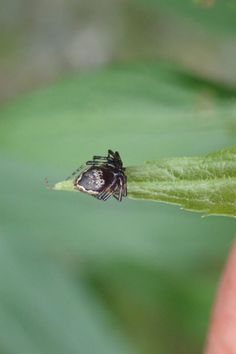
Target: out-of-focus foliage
(215,16)
(153,266)
(40,41)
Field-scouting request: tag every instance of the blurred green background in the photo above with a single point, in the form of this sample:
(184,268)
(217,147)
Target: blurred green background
(150,79)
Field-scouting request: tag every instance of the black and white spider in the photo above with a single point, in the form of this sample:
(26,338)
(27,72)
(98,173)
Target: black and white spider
(104,177)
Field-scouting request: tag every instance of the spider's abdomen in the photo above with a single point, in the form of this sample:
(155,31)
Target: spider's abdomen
(94,180)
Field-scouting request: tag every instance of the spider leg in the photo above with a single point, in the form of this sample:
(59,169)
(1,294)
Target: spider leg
(118,196)
(100,163)
(75,172)
(124,188)
(121,189)
(116,157)
(102,160)
(106,162)
(99,157)
(120,193)
(105,194)
(95,163)
(110,156)
(117,193)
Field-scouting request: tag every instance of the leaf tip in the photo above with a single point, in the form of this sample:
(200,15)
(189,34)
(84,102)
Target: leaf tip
(66,185)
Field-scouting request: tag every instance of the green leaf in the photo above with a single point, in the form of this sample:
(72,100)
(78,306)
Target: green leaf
(217,16)
(206,184)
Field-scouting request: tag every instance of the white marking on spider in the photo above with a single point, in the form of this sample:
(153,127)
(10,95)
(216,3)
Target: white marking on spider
(97,179)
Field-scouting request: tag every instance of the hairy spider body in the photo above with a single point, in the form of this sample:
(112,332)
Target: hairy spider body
(105,177)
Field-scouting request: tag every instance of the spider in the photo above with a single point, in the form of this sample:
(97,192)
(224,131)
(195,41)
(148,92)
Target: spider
(105,177)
